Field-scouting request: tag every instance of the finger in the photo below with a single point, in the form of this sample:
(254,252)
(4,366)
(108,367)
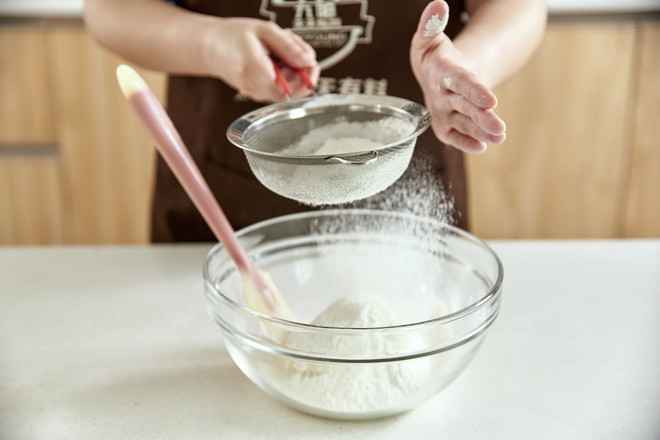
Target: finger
(434,18)
(431,26)
(290,82)
(306,47)
(287,46)
(452,136)
(464,142)
(466,83)
(296,84)
(466,126)
(260,81)
(315,73)
(484,118)
(257,78)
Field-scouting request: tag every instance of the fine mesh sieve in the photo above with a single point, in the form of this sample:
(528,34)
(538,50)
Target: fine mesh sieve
(281,144)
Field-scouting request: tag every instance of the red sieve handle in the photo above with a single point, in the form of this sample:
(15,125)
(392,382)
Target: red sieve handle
(304,76)
(284,85)
(281,82)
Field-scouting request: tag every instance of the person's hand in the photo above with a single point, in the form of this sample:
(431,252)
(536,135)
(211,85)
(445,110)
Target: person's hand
(461,107)
(240,50)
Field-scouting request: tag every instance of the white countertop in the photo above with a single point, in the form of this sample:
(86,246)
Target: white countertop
(55,8)
(114,342)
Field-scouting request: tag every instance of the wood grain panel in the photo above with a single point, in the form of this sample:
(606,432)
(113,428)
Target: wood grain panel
(560,170)
(25,107)
(107,158)
(643,198)
(30,202)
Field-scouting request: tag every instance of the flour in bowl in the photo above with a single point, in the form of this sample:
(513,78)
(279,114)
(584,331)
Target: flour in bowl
(355,387)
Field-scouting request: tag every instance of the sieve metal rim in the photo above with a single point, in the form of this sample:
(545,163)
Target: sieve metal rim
(307,106)
(369,157)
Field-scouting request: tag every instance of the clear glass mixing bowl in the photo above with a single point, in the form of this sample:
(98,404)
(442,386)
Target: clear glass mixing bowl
(441,284)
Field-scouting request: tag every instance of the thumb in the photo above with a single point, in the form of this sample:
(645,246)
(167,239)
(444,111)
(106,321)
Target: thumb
(432,23)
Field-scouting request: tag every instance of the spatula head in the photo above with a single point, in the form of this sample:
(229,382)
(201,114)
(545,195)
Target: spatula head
(255,301)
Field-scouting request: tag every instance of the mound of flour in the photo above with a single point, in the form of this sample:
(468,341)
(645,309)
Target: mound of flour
(354,387)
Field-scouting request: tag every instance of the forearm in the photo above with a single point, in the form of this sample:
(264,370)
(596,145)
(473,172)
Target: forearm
(501,36)
(149,33)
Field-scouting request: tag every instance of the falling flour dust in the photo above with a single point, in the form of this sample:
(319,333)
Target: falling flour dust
(372,280)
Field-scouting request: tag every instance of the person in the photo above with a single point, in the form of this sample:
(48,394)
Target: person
(219,57)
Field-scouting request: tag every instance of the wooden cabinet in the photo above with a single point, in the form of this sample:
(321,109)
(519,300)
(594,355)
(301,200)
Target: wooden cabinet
(30,196)
(107,157)
(642,196)
(76,167)
(580,160)
(30,200)
(25,107)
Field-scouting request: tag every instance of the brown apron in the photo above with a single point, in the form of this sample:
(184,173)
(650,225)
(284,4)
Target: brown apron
(362,47)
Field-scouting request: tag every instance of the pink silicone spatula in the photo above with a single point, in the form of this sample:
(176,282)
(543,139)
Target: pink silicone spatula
(260,292)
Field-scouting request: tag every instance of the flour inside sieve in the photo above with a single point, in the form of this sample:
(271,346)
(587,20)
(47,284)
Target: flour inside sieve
(345,137)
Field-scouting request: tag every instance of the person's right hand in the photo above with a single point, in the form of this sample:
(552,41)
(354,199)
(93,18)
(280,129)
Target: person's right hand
(239,51)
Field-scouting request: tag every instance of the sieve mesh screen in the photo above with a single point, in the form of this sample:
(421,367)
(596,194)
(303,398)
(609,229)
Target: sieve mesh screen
(284,145)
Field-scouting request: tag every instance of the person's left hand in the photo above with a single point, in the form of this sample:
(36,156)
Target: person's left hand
(461,106)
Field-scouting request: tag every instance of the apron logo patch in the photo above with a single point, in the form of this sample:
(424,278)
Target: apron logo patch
(332,27)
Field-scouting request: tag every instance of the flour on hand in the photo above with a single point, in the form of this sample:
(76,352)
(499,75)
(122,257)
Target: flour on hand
(435,25)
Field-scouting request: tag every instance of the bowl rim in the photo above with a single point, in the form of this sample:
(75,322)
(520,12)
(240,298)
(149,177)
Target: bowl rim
(494,291)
